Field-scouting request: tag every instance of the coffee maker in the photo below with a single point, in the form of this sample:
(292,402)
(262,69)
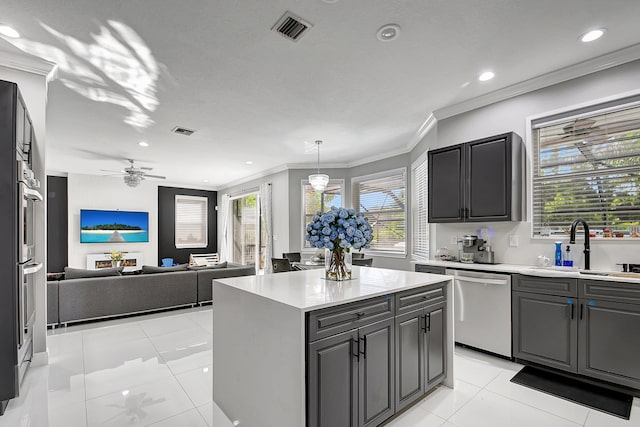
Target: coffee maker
(476,250)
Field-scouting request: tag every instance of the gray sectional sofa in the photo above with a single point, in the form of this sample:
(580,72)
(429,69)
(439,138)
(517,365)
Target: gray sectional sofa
(79,299)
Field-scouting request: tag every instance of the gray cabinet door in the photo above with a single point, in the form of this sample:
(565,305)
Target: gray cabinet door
(446,184)
(332,393)
(376,373)
(610,342)
(435,344)
(545,330)
(488,179)
(409,357)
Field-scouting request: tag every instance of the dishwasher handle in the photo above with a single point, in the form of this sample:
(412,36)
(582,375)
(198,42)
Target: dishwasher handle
(483,281)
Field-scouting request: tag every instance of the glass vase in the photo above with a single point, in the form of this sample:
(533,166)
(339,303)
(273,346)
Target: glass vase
(337,264)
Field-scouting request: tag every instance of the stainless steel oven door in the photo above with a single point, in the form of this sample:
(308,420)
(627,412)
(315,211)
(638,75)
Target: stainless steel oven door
(27,198)
(26,312)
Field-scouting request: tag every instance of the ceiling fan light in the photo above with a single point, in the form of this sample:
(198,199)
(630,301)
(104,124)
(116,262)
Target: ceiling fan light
(132,180)
(318,181)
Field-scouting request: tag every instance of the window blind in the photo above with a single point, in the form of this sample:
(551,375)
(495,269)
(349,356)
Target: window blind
(420,246)
(588,167)
(191,222)
(313,202)
(382,199)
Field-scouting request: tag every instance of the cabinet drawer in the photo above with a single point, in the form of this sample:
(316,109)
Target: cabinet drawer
(433,269)
(421,297)
(333,320)
(610,291)
(560,286)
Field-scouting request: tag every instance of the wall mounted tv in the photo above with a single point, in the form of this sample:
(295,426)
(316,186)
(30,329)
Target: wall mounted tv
(113,226)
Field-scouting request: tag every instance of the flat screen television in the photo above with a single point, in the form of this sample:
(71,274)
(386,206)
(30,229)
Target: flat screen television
(113,226)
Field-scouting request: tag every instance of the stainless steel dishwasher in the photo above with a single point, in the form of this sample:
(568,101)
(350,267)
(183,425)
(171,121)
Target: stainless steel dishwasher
(482,307)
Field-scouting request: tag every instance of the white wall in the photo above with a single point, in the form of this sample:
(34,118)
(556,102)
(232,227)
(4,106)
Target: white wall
(511,115)
(110,193)
(34,92)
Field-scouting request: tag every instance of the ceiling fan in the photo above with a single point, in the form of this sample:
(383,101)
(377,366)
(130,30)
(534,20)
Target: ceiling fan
(133,175)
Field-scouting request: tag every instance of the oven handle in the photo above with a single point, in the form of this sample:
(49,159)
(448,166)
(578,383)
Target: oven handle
(482,281)
(32,268)
(32,194)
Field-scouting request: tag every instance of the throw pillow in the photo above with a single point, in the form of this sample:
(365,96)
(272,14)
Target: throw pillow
(81,273)
(209,267)
(152,269)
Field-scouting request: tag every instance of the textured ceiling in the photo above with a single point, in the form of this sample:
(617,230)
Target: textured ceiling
(131,71)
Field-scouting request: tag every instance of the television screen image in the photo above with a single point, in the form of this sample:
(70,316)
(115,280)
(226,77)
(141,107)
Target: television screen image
(113,226)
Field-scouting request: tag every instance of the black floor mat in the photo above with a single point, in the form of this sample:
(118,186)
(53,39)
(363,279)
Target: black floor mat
(599,398)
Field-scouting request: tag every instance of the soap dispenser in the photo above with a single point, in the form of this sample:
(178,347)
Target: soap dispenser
(559,254)
(567,260)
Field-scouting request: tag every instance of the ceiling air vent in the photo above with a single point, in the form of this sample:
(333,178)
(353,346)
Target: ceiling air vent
(182,131)
(291,26)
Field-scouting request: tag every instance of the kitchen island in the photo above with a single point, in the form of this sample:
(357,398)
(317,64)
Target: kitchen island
(293,349)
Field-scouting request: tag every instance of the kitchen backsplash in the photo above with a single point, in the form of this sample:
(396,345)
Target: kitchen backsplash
(605,253)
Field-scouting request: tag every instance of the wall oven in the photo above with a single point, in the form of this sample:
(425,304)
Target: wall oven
(28,197)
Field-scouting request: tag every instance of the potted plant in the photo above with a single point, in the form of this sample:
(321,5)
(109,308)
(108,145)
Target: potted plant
(338,231)
(116,257)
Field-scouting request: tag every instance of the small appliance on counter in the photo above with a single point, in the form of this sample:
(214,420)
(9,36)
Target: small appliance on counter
(476,250)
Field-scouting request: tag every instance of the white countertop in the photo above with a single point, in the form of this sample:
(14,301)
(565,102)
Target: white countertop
(308,290)
(528,270)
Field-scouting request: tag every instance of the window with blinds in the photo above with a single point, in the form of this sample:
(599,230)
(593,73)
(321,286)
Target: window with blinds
(382,199)
(313,202)
(191,222)
(420,225)
(588,166)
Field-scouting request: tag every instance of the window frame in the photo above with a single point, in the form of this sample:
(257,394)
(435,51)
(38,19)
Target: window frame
(356,205)
(572,112)
(206,222)
(303,225)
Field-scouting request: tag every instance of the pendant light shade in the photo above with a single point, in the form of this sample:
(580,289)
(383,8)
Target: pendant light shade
(319,180)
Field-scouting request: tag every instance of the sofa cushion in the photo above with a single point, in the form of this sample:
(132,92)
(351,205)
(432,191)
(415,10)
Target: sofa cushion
(81,273)
(208,267)
(152,269)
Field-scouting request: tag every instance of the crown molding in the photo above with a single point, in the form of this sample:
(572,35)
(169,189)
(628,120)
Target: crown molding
(422,131)
(27,63)
(609,60)
(224,187)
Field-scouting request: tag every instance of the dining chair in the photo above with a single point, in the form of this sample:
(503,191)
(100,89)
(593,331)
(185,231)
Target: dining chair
(363,262)
(292,256)
(280,265)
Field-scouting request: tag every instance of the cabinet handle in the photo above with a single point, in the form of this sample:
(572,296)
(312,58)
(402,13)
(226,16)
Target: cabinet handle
(428,321)
(572,310)
(423,323)
(364,353)
(466,213)
(581,310)
(355,343)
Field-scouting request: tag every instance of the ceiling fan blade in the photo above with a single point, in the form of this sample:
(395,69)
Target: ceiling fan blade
(106,170)
(154,176)
(145,168)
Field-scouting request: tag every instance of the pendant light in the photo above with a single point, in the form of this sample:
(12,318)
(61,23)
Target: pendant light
(318,180)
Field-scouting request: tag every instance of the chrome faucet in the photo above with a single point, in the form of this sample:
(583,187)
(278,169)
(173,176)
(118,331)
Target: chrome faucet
(572,240)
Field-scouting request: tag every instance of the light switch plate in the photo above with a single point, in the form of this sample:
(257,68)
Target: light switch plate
(514,241)
(454,240)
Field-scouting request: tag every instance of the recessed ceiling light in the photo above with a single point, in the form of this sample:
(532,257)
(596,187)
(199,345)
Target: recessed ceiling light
(205,180)
(388,32)
(592,35)
(331,1)
(143,144)
(125,392)
(7,31)
(249,162)
(487,75)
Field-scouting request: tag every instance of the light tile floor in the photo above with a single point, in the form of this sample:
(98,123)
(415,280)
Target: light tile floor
(155,370)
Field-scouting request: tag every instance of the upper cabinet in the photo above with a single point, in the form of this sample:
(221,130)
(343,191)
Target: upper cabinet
(477,181)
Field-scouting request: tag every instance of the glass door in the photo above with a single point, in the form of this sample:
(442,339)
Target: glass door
(247,231)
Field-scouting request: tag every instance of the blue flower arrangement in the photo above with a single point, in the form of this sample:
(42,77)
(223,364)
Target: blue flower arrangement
(339,228)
